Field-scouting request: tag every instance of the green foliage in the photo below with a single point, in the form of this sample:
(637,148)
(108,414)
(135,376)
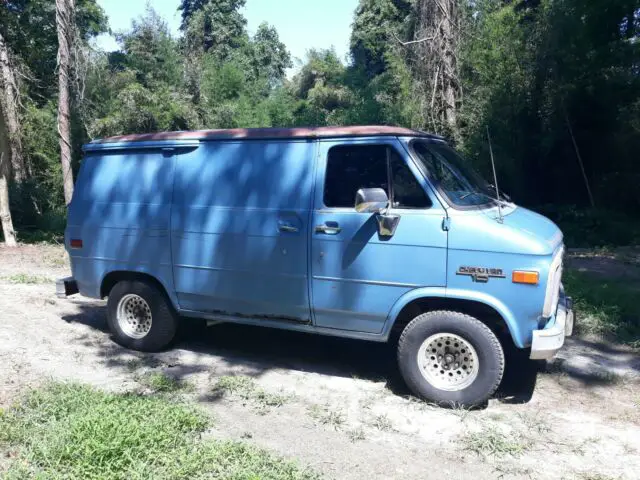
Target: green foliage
(150,52)
(374,24)
(532,70)
(528,71)
(72,431)
(324,99)
(37,202)
(270,57)
(29,27)
(605,307)
(213,26)
(594,227)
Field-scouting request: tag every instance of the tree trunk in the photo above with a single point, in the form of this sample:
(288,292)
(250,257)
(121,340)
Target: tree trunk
(64,22)
(5,213)
(449,48)
(434,52)
(9,112)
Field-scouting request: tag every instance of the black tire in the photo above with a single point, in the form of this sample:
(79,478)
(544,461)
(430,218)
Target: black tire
(163,318)
(482,339)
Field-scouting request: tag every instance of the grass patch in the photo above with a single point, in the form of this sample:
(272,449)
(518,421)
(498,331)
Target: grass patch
(356,435)
(27,278)
(604,307)
(535,422)
(383,423)
(161,382)
(56,261)
(248,390)
(492,441)
(326,415)
(137,363)
(595,476)
(76,432)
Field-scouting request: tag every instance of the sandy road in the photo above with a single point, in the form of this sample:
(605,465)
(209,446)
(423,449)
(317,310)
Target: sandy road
(343,410)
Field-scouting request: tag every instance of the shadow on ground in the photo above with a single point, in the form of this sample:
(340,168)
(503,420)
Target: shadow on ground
(255,350)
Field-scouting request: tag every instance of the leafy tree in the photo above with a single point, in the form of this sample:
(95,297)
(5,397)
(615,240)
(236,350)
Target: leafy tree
(30,29)
(270,56)
(150,52)
(213,25)
(551,79)
(320,87)
(377,27)
(141,89)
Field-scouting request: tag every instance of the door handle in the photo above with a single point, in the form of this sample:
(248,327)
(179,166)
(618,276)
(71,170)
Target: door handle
(329,228)
(287,227)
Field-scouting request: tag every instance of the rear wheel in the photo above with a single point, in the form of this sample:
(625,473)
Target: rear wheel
(140,316)
(450,358)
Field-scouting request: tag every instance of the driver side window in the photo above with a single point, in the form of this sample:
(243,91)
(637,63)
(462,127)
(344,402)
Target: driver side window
(352,167)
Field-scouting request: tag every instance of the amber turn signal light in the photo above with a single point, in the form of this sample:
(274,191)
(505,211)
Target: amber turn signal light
(530,278)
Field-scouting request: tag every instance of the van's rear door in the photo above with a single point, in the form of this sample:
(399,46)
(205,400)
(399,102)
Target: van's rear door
(358,275)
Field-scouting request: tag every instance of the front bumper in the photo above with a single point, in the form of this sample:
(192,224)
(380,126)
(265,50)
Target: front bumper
(549,340)
(66,286)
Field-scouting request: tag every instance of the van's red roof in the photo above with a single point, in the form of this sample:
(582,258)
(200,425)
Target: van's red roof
(298,132)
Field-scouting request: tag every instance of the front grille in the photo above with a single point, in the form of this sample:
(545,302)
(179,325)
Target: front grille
(553,284)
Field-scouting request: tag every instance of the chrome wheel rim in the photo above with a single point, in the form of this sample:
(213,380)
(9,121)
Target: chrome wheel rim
(448,362)
(134,316)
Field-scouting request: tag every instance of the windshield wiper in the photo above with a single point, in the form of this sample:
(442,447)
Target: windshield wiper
(491,197)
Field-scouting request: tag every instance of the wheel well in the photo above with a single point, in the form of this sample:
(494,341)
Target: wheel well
(483,312)
(109,281)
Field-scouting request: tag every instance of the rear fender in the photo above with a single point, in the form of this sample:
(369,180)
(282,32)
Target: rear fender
(141,271)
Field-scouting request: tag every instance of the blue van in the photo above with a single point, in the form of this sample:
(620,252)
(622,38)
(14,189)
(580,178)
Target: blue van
(374,233)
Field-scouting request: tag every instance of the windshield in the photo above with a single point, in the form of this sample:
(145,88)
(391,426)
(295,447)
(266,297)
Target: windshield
(452,175)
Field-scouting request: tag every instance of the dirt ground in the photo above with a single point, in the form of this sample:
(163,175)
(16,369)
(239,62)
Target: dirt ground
(340,406)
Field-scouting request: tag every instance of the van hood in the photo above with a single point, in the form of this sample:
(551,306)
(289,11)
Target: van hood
(521,231)
(536,226)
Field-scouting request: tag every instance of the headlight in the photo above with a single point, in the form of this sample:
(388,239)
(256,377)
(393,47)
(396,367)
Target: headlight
(553,285)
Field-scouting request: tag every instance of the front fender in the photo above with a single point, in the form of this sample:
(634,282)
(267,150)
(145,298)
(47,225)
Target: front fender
(440,292)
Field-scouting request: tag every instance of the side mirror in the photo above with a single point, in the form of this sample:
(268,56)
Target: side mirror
(371,200)
(375,200)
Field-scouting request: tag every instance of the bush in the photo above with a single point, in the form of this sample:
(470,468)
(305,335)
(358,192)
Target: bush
(593,227)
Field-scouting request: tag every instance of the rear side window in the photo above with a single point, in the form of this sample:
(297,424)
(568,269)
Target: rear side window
(352,167)
(125,177)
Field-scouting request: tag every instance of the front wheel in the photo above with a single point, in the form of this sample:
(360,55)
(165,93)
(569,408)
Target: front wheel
(450,358)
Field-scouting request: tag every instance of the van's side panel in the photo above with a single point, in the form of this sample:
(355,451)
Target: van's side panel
(121,212)
(240,228)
